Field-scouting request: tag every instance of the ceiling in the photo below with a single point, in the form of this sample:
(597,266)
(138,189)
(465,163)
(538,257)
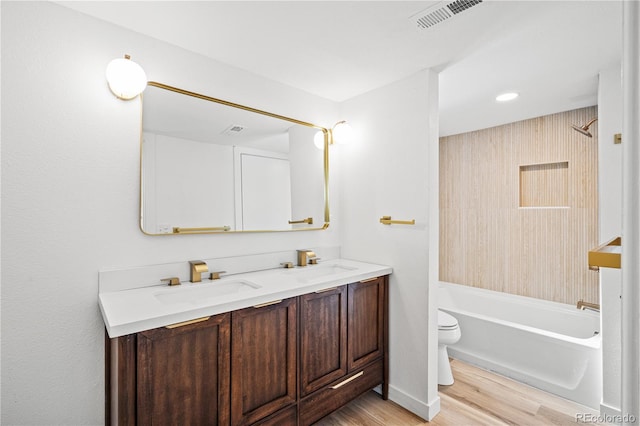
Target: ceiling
(190,118)
(548,51)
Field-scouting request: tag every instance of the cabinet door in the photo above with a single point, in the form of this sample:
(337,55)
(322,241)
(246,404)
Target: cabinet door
(366,322)
(263,361)
(323,334)
(183,373)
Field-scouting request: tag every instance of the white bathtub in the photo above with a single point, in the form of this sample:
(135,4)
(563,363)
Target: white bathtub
(548,345)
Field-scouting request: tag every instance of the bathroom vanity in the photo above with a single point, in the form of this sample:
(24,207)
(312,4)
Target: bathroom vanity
(286,361)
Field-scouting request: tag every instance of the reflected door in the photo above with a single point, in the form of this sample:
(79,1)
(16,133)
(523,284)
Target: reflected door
(265,191)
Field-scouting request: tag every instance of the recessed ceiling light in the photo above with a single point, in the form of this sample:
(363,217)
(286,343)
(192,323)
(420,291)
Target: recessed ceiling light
(507,97)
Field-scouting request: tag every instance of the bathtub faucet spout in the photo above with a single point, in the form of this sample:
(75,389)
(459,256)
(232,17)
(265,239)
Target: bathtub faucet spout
(582,305)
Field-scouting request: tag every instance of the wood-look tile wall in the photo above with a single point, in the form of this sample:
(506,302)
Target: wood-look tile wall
(540,250)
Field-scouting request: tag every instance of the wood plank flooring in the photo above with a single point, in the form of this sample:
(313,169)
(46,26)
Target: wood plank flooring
(477,397)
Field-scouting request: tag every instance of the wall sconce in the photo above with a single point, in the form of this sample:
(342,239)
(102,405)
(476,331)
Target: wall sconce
(126,78)
(341,133)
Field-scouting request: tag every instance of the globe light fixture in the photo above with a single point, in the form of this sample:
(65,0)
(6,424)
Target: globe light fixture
(126,78)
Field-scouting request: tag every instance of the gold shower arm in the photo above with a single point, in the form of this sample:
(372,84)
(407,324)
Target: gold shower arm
(590,123)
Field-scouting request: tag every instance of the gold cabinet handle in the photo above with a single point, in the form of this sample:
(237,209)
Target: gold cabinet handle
(369,280)
(326,289)
(182,324)
(344,382)
(308,220)
(262,305)
(386,220)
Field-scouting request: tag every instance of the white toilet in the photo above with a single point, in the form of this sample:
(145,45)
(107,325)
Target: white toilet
(448,334)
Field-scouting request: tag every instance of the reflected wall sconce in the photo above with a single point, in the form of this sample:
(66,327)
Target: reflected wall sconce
(341,133)
(126,78)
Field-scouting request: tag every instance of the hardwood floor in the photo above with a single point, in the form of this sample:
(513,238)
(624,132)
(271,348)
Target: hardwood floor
(477,397)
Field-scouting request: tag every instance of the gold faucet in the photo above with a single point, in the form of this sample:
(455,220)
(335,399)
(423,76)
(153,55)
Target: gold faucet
(582,305)
(216,275)
(306,256)
(198,267)
(171,281)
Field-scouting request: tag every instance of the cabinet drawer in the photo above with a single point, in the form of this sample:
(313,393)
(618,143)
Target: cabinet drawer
(334,396)
(285,417)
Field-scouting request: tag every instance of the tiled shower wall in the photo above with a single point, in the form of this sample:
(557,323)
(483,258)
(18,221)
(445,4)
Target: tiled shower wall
(518,208)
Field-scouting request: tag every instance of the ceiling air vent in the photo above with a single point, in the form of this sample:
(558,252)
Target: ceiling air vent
(442,11)
(233,129)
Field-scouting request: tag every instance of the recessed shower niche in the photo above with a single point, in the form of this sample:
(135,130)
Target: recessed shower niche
(544,185)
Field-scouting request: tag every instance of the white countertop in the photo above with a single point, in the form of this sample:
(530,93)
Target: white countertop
(130,311)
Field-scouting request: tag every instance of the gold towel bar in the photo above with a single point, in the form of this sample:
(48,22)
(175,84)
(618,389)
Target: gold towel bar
(179,230)
(386,220)
(308,220)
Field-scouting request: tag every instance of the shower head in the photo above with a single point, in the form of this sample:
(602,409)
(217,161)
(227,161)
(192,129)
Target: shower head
(584,129)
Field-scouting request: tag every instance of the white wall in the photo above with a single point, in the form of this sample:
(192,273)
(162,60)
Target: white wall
(70,173)
(610,226)
(393,170)
(630,262)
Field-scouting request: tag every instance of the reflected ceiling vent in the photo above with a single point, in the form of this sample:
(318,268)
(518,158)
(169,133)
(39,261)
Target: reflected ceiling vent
(234,129)
(441,12)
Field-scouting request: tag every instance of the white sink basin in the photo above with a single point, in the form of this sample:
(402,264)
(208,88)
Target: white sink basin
(199,293)
(312,272)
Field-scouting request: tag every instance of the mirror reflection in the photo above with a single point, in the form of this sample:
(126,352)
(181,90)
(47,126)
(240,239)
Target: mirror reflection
(212,166)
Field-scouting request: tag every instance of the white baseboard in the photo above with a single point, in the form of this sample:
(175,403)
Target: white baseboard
(609,410)
(419,408)
(611,413)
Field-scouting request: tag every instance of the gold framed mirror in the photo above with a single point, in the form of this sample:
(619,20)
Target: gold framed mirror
(214,166)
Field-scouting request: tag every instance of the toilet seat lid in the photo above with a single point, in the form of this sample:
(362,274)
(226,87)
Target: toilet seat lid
(446,321)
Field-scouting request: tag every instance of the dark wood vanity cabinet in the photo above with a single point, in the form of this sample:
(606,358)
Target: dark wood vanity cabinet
(175,375)
(263,361)
(351,365)
(289,362)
